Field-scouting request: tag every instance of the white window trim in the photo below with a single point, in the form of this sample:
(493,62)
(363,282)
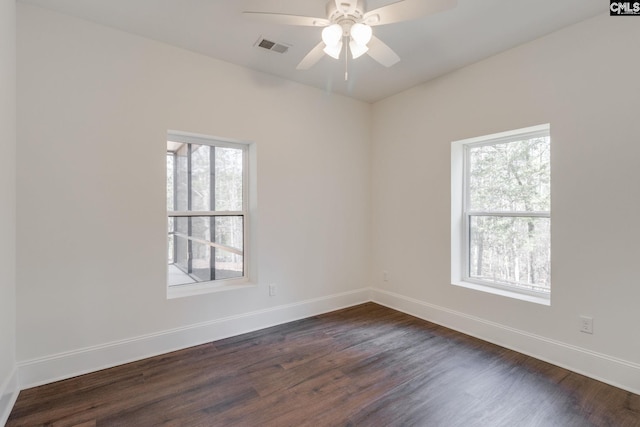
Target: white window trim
(249,278)
(459,218)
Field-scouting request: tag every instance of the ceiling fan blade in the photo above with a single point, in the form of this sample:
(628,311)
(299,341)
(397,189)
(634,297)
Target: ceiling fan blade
(312,57)
(283,19)
(406,10)
(382,53)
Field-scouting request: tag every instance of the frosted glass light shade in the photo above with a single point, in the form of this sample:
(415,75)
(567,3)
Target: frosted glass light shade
(333,51)
(361,34)
(332,35)
(357,50)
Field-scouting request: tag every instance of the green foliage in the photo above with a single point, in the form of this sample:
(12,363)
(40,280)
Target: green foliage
(510,177)
(513,176)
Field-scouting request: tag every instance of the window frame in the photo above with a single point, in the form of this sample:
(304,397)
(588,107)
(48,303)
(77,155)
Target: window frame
(187,289)
(461,214)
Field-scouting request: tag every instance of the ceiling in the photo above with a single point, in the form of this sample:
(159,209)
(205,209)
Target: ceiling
(428,47)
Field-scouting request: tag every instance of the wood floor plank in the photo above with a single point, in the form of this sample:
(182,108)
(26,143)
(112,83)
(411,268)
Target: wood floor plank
(363,366)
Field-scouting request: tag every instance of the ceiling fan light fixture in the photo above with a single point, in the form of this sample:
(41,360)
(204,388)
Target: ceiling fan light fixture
(357,50)
(351,21)
(361,33)
(332,35)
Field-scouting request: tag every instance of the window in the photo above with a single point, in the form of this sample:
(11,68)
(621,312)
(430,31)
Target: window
(206,210)
(501,220)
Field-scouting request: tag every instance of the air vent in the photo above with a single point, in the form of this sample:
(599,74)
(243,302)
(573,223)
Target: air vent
(272,46)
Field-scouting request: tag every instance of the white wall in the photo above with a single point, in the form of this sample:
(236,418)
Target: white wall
(94,108)
(7,203)
(583,80)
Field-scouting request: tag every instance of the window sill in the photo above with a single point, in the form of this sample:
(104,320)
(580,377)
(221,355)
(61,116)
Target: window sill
(181,291)
(537,299)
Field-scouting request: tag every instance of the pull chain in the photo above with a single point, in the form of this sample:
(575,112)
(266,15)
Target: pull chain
(346,60)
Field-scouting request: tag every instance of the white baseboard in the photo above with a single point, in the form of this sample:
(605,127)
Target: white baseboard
(617,372)
(8,394)
(31,373)
(73,363)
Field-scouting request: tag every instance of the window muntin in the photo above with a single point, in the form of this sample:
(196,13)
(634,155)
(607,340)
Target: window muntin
(506,212)
(206,209)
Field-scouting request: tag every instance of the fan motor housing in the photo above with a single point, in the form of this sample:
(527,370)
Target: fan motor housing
(349,10)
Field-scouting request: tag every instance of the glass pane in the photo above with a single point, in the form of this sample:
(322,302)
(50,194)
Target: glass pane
(511,176)
(170,183)
(181,176)
(177,277)
(171,240)
(181,244)
(201,177)
(201,269)
(201,227)
(229,231)
(228,265)
(512,251)
(228,178)
(195,259)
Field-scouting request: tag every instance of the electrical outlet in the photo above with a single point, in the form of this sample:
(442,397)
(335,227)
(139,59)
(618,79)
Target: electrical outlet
(586,324)
(272,290)
(385,275)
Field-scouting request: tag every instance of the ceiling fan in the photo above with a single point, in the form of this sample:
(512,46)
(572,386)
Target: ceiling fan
(349,23)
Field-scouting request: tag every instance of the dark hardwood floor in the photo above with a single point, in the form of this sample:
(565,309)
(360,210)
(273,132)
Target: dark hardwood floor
(363,366)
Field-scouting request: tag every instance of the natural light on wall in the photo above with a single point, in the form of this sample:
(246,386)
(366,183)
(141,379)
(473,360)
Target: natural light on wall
(501,213)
